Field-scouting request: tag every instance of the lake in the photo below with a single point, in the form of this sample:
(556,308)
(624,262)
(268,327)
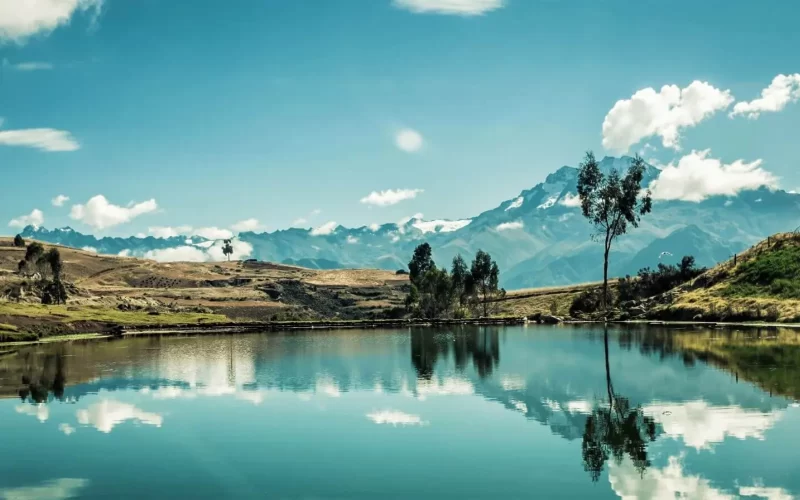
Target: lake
(517,412)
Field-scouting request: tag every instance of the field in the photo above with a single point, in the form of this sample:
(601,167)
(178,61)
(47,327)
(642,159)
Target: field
(107,290)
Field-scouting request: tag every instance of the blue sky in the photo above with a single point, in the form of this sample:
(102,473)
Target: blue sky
(278,110)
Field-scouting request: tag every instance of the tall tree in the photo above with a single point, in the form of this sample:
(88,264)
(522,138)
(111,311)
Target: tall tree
(420,264)
(458,274)
(227,249)
(18,241)
(612,204)
(485,278)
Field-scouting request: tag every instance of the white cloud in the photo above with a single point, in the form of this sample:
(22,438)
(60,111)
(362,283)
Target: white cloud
(657,484)
(299,222)
(763,492)
(89,249)
(507,226)
(66,429)
(395,418)
(20,20)
(40,411)
(58,489)
(352,239)
(45,139)
(450,7)
(210,251)
(100,214)
(783,90)
(246,225)
(700,425)
(440,226)
(241,250)
(408,140)
(325,229)
(59,200)
(696,177)
(570,200)
(664,113)
(374,227)
(35,219)
(449,386)
(213,233)
(177,254)
(124,253)
(32,66)
(515,204)
(390,196)
(168,231)
(107,414)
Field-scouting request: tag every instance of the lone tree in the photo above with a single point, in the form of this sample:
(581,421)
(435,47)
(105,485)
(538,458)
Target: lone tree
(612,204)
(485,278)
(227,249)
(18,241)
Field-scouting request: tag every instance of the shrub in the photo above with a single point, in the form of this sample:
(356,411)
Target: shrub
(589,301)
(18,241)
(649,283)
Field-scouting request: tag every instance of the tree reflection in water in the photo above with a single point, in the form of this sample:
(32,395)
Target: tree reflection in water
(616,430)
(42,376)
(481,344)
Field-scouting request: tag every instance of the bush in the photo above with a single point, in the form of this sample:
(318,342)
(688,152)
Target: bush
(18,241)
(401,272)
(588,302)
(648,283)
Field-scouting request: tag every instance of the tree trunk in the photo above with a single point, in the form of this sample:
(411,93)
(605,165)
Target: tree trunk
(605,281)
(608,371)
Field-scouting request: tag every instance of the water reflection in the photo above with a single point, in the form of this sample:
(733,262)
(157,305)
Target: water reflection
(640,409)
(616,430)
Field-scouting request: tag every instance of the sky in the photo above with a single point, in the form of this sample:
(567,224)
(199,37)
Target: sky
(156,115)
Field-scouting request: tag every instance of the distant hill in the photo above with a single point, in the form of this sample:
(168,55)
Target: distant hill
(538,237)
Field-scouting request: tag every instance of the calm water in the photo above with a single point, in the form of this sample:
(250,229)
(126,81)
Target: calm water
(465,413)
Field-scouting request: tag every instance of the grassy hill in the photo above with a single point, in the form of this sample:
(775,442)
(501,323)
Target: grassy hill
(760,284)
(107,290)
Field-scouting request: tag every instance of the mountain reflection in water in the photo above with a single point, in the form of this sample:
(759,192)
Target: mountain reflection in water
(649,409)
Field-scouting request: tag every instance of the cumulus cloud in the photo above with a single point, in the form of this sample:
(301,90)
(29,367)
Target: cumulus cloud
(325,229)
(57,489)
(395,418)
(21,20)
(507,226)
(783,90)
(246,225)
(450,7)
(45,139)
(408,140)
(100,214)
(390,196)
(89,249)
(202,252)
(697,176)
(107,414)
(40,411)
(213,233)
(168,231)
(661,113)
(570,200)
(32,66)
(374,226)
(59,200)
(35,219)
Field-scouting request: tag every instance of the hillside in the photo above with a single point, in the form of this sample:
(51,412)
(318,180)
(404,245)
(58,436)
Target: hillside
(537,237)
(114,289)
(760,284)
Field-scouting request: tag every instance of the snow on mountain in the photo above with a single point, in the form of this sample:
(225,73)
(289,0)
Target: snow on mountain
(440,226)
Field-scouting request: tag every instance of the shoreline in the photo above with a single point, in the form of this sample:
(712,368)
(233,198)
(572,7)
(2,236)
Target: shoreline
(232,328)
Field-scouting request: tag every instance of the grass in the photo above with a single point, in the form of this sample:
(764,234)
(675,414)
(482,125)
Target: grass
(29,338)
(774,273)
(70,314)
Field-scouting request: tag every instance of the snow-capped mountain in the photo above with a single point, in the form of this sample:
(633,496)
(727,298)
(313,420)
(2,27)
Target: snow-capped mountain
(538,237)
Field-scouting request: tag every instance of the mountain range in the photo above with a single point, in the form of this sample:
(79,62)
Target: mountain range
(538,238)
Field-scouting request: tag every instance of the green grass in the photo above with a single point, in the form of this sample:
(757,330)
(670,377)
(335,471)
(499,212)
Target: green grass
(775,273)
(69,314)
